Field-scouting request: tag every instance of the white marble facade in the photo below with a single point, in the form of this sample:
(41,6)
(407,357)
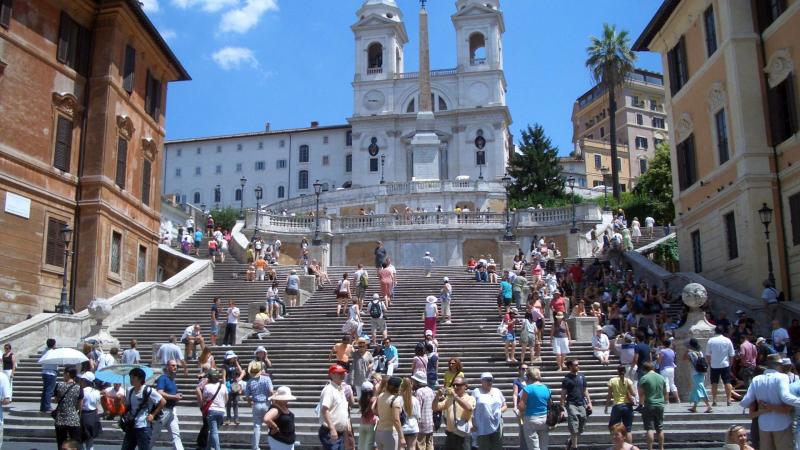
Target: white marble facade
(468,103)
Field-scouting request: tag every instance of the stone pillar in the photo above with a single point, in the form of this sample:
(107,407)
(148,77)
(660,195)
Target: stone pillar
(696,326)
(508,249)
(581,329)
(321,253)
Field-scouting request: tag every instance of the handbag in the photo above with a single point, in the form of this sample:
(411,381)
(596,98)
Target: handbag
(207,405)
(554,412)
(462,427)
(54,413)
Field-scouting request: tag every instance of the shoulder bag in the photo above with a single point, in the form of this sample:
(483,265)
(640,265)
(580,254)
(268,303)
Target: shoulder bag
(207,405)
(127,422)
(461,427)
(554,411)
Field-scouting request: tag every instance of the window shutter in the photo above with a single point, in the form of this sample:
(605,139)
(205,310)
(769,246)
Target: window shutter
(794,217)
(156,98)
(122,162)
(54,251)
(83,50)
(791,106)
(64,34)
(146,183)
(683,66)
(63,146)
(130,69)
(5,13)
(148,92)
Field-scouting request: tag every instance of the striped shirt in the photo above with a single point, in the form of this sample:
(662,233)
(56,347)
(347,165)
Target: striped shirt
(425,396)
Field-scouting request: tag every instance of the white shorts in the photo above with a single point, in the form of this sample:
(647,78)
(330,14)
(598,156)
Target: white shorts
(601,354)
(669,374)
(560,346)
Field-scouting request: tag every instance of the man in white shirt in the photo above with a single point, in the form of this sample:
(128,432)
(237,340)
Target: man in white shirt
(770,297)
(334,420)
(428,262)
(190,226)
(719,351)
(649,224)
(5,398)
(230,326)
(772,388)
(191,338)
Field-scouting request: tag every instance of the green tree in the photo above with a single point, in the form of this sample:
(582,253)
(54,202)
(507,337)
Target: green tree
(225,218)
(656,185)
(536,170)
(610,59)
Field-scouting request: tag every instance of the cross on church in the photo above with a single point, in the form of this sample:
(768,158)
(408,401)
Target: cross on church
(422,3)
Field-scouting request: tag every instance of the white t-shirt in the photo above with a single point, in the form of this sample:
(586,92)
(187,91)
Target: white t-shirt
(357,276)
(130,356)
(720,349)
(5,392)
(233,314)
(189,331)
(600,341)
(218,404)
(91,397)
(153,399)
(105,360)
(649,222)
(334,400)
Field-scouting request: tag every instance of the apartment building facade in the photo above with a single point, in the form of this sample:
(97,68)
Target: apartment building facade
(732,99)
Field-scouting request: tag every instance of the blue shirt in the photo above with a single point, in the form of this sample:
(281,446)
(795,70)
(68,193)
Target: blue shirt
(538,396)
(488,415)
(259,388)
(198,235)
(506,287)
(390,352)
(167,384)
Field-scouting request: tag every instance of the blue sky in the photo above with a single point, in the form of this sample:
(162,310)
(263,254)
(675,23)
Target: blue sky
(291,61)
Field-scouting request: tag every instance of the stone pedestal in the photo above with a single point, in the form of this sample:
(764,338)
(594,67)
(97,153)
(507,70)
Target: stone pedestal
(694,296)
(321,253)
(582,328)
(99,310)
(308,283)
(508,249)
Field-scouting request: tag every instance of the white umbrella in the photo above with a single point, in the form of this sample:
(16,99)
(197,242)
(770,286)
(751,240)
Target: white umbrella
(63,357)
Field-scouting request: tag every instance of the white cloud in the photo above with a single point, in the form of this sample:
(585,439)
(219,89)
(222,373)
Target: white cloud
(168,34)
(206,5)
(242,19)
(149,6)
(234,57)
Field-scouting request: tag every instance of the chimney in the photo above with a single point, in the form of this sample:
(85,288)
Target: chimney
(267,127)
(314,124)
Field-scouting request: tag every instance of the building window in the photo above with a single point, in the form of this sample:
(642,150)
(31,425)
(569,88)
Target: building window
(596,183)
(260,145)
(116,252)
(348,163)
(641,142)
(5,13)
(141,264)
(62,153)
(657,142)
(794,217)
(410,108)
(74,43)
(602,132)
(146,174)
(238,147)
(477,49)
(654,106)
(373,164)
(281,192)
(480,157)
(218,169)
(324,139)
(782,110)
(129,70)
(178,172)
(722,136)
(622,187)
(678,70)
(635,100)
(658,122)
(730,235)
(217,195)
(152,96)
(197,171)
(639,119)
(768,11)
(598,162)
(219,149)
(196,198)
(54,250)
(281,164)
(642,166)
(237,195)
(302,179)
(180,150)
(260,165)
(687,163)
(303,154)
(238,167)
(711,31)
(697,254)
(326,160)
(122,162)
(281,143)
(199,150)
(348,138)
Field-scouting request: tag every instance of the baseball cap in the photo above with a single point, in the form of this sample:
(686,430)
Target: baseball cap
(88,376)
(335,368)
(487,376)
(428,332)
(760,340)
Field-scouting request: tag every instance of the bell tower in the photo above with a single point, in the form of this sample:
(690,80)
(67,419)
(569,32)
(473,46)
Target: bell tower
(380,36)
(479,28)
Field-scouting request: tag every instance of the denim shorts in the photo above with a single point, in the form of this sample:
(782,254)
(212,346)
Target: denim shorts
(509,337)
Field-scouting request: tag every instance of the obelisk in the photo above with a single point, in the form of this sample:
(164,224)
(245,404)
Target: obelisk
(425,143)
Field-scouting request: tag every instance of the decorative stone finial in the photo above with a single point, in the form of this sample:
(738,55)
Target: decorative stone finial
(694,295)
(99,310)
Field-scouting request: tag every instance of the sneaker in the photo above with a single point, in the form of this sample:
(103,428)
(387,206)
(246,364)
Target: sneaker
(448,323)
(281,317)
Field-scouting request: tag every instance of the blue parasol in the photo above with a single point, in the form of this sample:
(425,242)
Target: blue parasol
(118,373)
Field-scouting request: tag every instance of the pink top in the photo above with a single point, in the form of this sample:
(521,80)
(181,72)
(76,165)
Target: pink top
(749,354)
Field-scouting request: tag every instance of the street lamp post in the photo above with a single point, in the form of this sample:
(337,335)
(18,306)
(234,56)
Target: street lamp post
(242,183)
(765,213)
(217,195)
(317,191)
(259,195)
(604,171)
(507,180)
(571,183)
(63,306)
(383,160)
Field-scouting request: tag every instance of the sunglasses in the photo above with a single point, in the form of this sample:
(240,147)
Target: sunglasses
(459,384)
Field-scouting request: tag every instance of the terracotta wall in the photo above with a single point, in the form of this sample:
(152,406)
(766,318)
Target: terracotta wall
(478,247)
(360,252)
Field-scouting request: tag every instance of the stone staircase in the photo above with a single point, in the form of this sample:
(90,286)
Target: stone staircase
(298,347)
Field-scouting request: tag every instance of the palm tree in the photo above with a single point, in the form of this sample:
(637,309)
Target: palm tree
(610,59)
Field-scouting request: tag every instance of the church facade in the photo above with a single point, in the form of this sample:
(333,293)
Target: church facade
(459,130)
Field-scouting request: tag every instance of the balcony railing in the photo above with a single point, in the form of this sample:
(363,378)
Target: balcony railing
(434,73)
(375,71)
(477,61)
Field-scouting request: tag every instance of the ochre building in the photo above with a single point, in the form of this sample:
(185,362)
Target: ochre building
(731,81)
(83,87)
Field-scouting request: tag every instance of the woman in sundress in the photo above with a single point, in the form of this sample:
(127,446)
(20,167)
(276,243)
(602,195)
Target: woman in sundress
(386,278)
(636,230)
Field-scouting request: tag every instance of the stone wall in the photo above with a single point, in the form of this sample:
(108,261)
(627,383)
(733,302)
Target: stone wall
(478,247)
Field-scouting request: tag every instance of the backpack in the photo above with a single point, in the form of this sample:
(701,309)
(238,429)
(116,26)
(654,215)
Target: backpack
(700,364)
(375,310)
(363,282)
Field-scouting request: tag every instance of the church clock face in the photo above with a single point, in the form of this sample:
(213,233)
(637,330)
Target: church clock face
(374,100)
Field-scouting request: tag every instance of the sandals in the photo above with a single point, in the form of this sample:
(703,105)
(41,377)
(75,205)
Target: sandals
(692,410)
(709,410)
